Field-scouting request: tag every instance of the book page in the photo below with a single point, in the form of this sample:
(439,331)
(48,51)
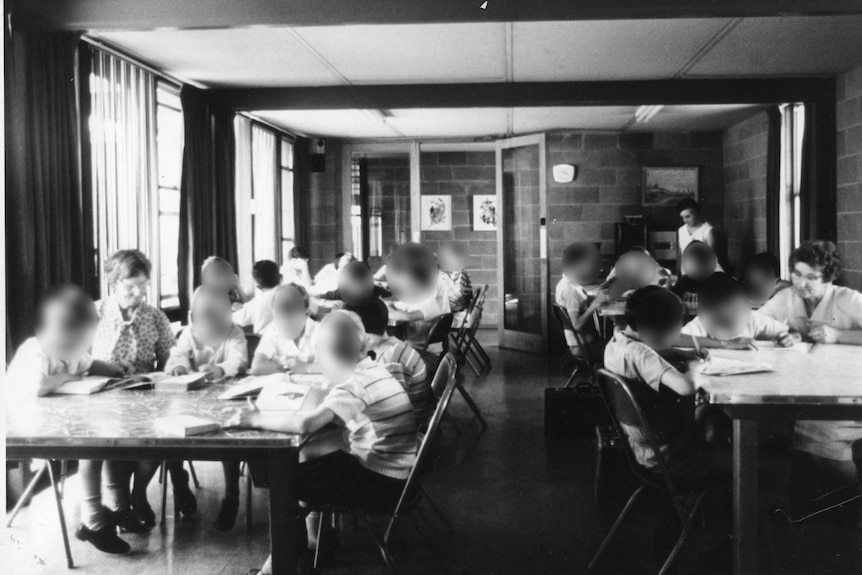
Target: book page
(721,366)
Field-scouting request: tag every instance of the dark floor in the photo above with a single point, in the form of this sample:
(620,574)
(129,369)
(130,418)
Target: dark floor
(518,505)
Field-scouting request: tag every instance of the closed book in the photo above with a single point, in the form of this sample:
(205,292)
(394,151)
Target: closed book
(188,382)
(185,425)
(252,385)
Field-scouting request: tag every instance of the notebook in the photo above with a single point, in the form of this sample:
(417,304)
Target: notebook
(187,382)
(96,383)
(185,425)
(721,366)
(289,396)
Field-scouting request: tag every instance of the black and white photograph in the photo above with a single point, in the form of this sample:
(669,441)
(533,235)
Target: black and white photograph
(415,287)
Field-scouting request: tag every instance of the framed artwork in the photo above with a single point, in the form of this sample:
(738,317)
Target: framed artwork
(667,186)
(436,213)
(484,213)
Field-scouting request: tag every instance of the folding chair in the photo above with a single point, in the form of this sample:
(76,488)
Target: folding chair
(28,492)
(439,333)
(467,346)
(621,397)
(413,495)
(580,362)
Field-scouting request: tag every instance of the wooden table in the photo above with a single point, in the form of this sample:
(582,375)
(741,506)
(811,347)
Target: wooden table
(118,425)
(825,384)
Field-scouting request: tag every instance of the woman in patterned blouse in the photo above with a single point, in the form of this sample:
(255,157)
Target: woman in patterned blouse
(137,336)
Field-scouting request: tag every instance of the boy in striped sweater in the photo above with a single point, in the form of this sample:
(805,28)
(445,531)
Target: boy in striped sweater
(371,404)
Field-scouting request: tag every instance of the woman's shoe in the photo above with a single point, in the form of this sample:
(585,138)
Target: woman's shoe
(185,502)
(144,513)
(126,521)
(226,518)
(105,539)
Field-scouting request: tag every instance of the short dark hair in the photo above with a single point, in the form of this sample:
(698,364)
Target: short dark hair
(266,274)
(297,252)
(357,270)
(127,264)
(374,315)
(820,254)
(654,307)
(719,289)
(688,204)
(764,262)
(82,311)
(575,253)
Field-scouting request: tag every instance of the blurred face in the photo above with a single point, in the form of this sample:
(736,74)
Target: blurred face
(760,285)
(218,276)
(450,260)
(61,336)
(727,320)
(808,281)
(354,290)
(211,318)
(697,269)
(289,312)
(338,348)
(690,217)
(131,292)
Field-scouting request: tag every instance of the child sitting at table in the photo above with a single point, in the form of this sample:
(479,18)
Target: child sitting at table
(725,319)
(579,269)
(454,279)
(355,286)
(287,343)
(399,357)
(762,278)
(211,343)
(699,262)
(371,405)
(412,275)
(257,313)
(218,273)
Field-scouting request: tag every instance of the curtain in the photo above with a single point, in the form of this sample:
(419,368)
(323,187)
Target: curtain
(243,195)
(264,172)
(48,217)
(122,142)
(207,216)
(300,194)
(817,194)
(773,180)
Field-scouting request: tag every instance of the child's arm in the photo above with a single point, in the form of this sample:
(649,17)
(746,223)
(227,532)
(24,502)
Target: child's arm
(180,360)
(678,382)
(263,365)
(409,316)
(304,423)
(48,384)
(235,357)
(106,369)
(685,340)
(580,320)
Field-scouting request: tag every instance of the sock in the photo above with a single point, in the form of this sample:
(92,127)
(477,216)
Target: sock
(92,513)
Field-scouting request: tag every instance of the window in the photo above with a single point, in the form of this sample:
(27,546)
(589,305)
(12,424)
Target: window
(288,223)
(789,216)
(169,145)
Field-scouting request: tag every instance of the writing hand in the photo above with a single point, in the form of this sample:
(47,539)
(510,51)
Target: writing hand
(179,370)
(213,371)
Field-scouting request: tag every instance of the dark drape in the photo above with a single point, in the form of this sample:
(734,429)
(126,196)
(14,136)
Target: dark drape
(207,204)
(773,180)
(300,193)
(817,194)
(49,236)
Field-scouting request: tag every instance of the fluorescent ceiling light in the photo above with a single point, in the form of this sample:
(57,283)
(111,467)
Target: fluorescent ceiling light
(645,113)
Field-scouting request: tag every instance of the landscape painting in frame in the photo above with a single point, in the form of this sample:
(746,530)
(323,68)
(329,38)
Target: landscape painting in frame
(484,212)
(667,186)
(436,213)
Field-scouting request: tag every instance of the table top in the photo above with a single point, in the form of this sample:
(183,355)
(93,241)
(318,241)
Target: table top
(828,375)
(125,419)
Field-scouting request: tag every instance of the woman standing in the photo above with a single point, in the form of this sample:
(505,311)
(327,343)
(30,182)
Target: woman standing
(138,337)
(694,227)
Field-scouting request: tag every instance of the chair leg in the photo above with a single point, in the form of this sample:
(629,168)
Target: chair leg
(164,474)
(617,524)
(62,515)
(460,387)
(64,471)
(317,543)
(194,475)
(28,491)
(381,544)
(571,379)
(686,529)
(248,495)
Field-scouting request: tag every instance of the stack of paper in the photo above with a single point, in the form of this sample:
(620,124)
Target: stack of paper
(185,425)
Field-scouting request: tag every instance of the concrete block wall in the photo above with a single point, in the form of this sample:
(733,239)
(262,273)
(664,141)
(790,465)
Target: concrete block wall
(745,151)
(849,152)
(324,210)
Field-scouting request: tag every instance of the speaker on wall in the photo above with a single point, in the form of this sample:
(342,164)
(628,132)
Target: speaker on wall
(318,155)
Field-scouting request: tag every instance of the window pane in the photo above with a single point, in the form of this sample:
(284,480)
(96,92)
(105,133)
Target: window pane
(287,222)
(169,201)
(169,126)
(286,154)
(169,233)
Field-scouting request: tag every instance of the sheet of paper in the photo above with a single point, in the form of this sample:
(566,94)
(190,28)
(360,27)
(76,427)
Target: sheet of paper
(799,346)
(721,366)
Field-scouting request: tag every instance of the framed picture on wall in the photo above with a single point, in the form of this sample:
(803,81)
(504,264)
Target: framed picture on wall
(667,186)
(484,212)
(436,213)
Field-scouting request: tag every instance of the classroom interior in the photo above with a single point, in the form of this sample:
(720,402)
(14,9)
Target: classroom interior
(250,130)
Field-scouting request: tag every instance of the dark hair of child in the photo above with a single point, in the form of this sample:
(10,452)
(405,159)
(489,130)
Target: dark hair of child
(764,262)
(374,315)
(718,289)
(654,308)
(266,274)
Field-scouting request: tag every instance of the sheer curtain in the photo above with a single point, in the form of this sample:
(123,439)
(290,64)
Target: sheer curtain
(243,196)
(264,170)
(123,149)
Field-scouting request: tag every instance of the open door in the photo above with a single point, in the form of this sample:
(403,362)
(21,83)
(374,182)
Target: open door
(522,243)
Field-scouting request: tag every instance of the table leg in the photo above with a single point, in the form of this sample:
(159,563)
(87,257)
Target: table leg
(283,509)
(745,496)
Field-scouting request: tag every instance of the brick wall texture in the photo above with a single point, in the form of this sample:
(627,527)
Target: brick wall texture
(849,147)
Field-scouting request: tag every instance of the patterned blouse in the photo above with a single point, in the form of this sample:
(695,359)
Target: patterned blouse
(143,343)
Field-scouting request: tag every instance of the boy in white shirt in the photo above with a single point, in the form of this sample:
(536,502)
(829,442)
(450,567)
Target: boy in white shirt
(287,343)
(257,313)
(725,319)
(572,296)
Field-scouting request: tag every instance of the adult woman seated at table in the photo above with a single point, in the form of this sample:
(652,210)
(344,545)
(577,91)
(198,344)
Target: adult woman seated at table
(824,314)
(138,337)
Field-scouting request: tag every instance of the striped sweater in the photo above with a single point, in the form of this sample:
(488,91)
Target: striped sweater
(379,416)
(407,366)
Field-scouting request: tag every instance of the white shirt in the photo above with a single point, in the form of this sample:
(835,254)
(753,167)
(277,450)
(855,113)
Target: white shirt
(32,363)
(296,271)
(572,297)
(275,347)
(256,313)
(759,326)
(189,352)
(701,234)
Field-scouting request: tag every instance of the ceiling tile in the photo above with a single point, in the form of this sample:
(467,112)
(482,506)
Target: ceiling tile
(348,124)
(607,50)
(528,120)
(449,122)
(700,118)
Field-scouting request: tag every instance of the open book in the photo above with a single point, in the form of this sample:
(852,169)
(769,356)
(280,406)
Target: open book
(95,383)
(251,386)
(289,396)
(798,346)
(721,366)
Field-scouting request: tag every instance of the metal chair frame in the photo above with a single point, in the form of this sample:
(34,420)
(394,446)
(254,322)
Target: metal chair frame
(580,362)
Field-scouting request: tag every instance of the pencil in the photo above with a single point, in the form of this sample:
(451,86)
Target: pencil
(696,344)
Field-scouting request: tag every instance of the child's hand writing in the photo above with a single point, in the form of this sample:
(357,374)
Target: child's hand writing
(213,372)
(786,340)
(246,417)
(179,370)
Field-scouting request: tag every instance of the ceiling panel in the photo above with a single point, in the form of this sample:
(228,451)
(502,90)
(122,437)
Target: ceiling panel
(786,46)
(449,122)
(607,50)
(528,120)
(696,118)
(348,124)
(413,53)
(235,57)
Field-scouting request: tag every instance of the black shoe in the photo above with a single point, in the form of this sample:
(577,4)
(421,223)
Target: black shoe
(226,518)
(105,539)
(145,514)
(185,502)
(126,521)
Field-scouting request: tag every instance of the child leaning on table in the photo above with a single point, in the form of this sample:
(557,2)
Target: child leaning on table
(66,323)
(571,295)
(286,344)
(725,319)
(211,343)
(371,404)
